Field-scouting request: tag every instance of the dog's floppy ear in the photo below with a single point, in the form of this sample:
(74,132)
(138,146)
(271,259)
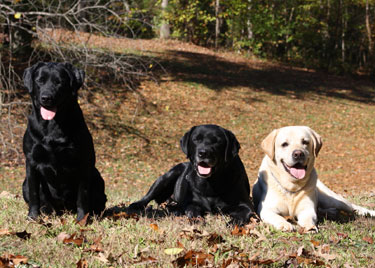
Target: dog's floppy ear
(268,144)
(28,76)
(77,76)
(184,142)
(317,142)
(232,147)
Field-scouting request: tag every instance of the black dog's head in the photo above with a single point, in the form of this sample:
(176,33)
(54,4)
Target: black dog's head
(52,84)
(209,147)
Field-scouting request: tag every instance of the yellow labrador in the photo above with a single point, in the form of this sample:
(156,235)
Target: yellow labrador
(288,184)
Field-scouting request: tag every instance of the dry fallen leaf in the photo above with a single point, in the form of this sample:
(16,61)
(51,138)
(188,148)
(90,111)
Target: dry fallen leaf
(154,226)
(4,232)
(214,238)
(70,239)
(82,263)
(239,231)
(193,233)
(315,243)
(368,239)
(194,258)
(180,245)
(96,246)
(173,251)
(324,252)
(302,256)
(62,236)
(117,216)
(145,260)
(23,235)
(101,257)
(83,222)
(10,260)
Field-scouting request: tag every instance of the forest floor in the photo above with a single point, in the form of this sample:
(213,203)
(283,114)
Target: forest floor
(136,136)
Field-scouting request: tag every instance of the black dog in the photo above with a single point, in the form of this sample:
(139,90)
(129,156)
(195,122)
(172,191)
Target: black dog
(214,181)
(60,156)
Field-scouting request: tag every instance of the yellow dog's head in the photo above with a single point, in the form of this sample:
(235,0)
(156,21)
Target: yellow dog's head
(293,149)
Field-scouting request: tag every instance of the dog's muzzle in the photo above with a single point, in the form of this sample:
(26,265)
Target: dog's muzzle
(298,170)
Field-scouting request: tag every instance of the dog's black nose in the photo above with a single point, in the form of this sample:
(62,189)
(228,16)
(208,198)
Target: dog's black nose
(46,98)
(202,153)
(298,155)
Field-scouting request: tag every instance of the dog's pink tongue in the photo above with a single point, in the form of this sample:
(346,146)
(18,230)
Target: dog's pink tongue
(298,173)
(204,170)
(47,114)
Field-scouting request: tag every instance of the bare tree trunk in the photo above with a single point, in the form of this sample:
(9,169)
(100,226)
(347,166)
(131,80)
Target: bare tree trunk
(164,28)
(368,28)
(249,24)
(217,26)
(343,29)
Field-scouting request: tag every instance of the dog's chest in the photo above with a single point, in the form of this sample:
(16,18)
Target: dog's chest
(55,157)
(209,194)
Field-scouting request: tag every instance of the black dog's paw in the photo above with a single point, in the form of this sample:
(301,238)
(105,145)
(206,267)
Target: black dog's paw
(237,221)
(241,217)
(136,207)
(193,212)
(33,216)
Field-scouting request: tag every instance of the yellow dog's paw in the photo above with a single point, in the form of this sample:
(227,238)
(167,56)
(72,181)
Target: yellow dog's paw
(312,229)
(285,226)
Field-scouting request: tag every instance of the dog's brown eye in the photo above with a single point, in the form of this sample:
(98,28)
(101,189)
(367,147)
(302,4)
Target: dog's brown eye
(285,144)
(305,142)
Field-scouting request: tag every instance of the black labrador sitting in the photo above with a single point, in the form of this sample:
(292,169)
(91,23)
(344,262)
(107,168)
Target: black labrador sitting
(214,181)
(60,156)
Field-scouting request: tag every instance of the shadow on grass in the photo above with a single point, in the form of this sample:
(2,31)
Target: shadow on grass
(335,215)
(122,211)
(218,73)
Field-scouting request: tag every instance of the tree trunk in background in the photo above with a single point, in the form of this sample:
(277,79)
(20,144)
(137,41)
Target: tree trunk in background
(368,28)
(217,26)
(164,28)
(343,30)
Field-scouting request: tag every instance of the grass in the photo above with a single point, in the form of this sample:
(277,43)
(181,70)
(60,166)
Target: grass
(137,139)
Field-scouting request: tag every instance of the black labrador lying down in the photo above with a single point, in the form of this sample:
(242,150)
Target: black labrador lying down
(214,181)
(60,156)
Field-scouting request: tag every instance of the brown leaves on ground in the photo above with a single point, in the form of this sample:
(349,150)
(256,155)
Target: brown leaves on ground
(124,215)
(82,263)
(73,239)
(303,256)
(10,260)
(368,239)
(83,221)
(23,235)
(145,260)
(194,258)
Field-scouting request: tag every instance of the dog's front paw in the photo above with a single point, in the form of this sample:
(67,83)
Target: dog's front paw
(136,206)
(285,226)
(193,212)
(311,229)
(240,221)
(33,215)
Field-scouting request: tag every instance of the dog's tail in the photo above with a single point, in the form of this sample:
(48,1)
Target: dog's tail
(327,199)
